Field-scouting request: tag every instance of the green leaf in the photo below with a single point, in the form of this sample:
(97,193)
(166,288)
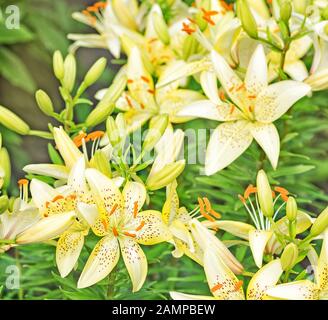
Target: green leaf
(287,171)
(13,69)
(12,36)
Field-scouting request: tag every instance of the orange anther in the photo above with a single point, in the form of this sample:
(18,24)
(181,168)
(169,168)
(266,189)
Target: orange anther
(95,135)
(222,95)
(273,194)
(284,197)
(141,225)
(100,5)
(241,198)
(238,285)
(72,196)
(135,209)
(115,232)
(210,210)
(92,9)
(105,224)
(22,182)
(216,287)
(151,91)
(203,212)
(207,16)
(249,190)
(252,96)
(232,109)
(129,234)
(145,79)
(59,197)
(86,13)
(142,106)
(47,204)
(226,6)
(186,28)
(281,190)
(242,86)
(79,138)
(130,81)
(113,209)
(128,100)
(192,20)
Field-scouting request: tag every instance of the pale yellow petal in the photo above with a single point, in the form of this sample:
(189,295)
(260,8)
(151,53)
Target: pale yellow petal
(50,170)
(322,270)
(134,195)
(257,241)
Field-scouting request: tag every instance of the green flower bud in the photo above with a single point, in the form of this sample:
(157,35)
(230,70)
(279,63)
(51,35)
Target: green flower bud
(161,28)
(300,6)
(289,256)
(157,126)
(69,72)
(44,102)
(11,121)
(291,209)
(247,19)
(285,10)
(165,176)
(189,47)
(324,14)
(107,104)
(95,72)
(112,131)
(320,224)
(6,167)
(100,162)
(58,65)
(4,204)
(264,193)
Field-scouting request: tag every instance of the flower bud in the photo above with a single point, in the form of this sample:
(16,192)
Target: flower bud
(157,126)
(69,72)
(289,256)
(44,102)
(6,168)
(300,6)
(320,224)
(4,204)
(100,162)
(189,47)
(264,194)
(165,176)
(318,81)
(47,228)
(107,104)
(95,72)
(291,209)
(161,28)
(11,121)
(58,65)
(247,19)
(285,10)
(112,131)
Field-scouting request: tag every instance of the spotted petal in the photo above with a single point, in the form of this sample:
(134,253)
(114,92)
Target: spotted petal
(41,193)
(276,99)
(68,250)
(264,279)
(101,262)
(135,261)
(322,270)
(228,141)
(134,195)
(257,241)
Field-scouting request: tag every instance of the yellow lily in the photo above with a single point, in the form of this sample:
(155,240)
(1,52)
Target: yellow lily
(306,289)
(250,114)
(122,228)
(224,285)
(190,235)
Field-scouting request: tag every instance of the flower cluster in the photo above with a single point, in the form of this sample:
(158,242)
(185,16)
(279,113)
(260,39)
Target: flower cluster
(242,64)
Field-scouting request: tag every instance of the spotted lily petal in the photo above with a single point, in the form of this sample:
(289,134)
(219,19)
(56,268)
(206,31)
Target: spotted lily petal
(277,98)
(134,195)
(264,279)
(267,137)
(298,290)
(135,261)
(228,141)
(257,241)
(41,193)
(101,262)
(153,229)
(322,269)
(68,250)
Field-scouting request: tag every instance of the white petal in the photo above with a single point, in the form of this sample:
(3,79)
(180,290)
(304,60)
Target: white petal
(257,241)
(50,170)
(76,177)
(296,70)
(208,81)
(264,279)
(277,98)
(41,193)
(101,262)
(227,143)
(134,195)
(267,137)
(257,76)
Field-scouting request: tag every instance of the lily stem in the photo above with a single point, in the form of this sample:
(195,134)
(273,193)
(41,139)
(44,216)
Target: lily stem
(111,284)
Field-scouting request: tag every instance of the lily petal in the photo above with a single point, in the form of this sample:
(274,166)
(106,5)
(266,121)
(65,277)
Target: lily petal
(50,170)
(135,261)
(322,270)
(298,290)
(227,143)
(257,241)
(267,137)
(68,250)
(76,177)
(134,195)
(41,193)
(296,70)
(154,230)
(264,279)
(101,262)
(277,98)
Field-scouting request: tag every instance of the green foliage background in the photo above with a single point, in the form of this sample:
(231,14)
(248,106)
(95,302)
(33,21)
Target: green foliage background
(303,170)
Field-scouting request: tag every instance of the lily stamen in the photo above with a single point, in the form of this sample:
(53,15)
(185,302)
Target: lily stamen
(23,189)
(135,209)
(187,28)
(115,232)
(210,210)
(128,234)
(216,287)
(140,226)
(113,209)
(238,285)
(203,212)
(207,16)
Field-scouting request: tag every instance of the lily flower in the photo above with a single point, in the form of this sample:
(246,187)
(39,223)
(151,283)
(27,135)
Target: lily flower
(121,227)
(190,233)
(306,289)
(224,285)
(263,235)
(53,203)
(250,113)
